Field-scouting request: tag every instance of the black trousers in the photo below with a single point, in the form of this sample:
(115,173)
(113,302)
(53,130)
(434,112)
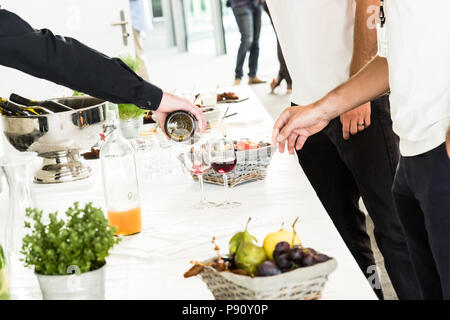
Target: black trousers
(341,171)
(422,197)
(283,72)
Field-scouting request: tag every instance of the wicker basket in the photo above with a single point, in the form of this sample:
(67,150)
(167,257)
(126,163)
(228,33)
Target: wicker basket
(305,283)
(251,165)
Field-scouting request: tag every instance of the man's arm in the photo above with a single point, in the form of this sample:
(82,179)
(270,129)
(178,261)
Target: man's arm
(364,49)
(369,83)
(298,123)
(70,63)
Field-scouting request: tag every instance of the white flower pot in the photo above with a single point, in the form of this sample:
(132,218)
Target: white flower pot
(130,127)
(85,286)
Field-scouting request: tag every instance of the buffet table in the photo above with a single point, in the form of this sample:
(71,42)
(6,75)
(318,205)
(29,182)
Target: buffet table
(150,265)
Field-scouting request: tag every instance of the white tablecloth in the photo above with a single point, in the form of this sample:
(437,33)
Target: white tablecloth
(150,265)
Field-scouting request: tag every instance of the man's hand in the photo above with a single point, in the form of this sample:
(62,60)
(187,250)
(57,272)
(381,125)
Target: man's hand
(295,125)
(170,103)
(356,120)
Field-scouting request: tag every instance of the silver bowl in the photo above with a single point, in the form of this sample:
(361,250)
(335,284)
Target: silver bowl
(59,137)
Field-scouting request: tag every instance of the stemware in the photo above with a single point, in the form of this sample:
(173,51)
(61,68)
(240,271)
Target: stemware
(197,160)
(223,161)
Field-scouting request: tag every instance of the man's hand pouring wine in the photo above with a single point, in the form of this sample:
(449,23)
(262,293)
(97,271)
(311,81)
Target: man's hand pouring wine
(170,103)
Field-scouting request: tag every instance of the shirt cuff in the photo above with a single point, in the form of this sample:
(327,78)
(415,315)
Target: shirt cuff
(151,97)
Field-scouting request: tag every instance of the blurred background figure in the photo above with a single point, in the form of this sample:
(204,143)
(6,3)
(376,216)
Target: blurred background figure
(141,22)
(248,17)
(283,73)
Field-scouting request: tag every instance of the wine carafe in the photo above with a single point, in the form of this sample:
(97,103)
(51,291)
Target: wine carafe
(18,170)
(120,183)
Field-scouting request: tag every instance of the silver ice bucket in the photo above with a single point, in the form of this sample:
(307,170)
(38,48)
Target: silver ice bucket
(59,137)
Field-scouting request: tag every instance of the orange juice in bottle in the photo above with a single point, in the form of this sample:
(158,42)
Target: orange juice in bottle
(127,222)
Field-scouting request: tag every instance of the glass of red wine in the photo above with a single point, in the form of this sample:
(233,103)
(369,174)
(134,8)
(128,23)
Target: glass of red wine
(197,160)
(223,161)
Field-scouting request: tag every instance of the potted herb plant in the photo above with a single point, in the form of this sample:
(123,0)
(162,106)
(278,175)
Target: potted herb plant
(69,255)
(131,116)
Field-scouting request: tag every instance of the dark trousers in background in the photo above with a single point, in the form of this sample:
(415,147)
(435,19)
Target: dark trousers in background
(283,72)
(341,171)
(422,197)
(248,19)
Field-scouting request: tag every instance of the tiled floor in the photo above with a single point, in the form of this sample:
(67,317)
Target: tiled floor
(187,71)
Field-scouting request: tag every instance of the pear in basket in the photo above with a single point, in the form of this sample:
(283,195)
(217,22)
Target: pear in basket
(248,255)
(240,237)
(273,238)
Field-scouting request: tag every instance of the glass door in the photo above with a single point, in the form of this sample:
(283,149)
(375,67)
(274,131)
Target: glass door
(157,9)
(199,26)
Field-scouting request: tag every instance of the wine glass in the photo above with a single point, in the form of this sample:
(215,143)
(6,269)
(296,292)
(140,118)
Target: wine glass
(197,160)
(208,98)
(223,161)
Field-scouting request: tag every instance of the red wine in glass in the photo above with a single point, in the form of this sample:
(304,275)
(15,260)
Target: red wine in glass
(224,167)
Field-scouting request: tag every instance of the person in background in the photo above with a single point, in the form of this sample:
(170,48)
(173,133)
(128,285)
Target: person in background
(283,73)
(248,17)
(70,63)
(356,155)
(141,23)
(416,71)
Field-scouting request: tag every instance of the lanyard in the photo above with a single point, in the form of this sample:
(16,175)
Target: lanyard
(381,33)
(382,15)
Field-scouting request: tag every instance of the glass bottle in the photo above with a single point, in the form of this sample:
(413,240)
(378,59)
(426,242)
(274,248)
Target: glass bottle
(120,183)
(11,109)
(49,105)
(180,125)
(19,172)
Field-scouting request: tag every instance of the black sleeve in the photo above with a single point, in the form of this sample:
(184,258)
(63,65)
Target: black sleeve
(70,63)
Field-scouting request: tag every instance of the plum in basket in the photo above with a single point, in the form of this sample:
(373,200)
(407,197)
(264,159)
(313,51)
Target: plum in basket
(296,255)
(308,259)
(284,262)
(280,248)
(268,268)
(318,258)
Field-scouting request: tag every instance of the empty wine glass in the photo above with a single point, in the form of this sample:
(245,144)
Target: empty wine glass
(223,161)
(197,160)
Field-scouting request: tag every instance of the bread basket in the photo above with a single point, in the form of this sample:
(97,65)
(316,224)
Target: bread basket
(251,165)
